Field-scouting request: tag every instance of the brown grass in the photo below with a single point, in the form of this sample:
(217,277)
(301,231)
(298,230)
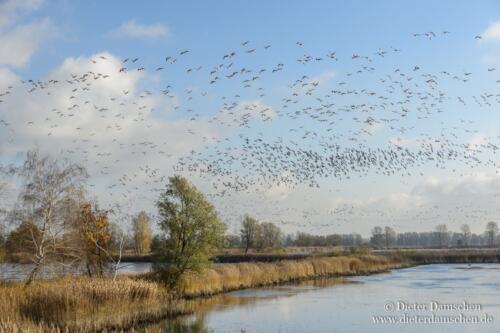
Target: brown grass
(80,304)
(221,278)
(83,304)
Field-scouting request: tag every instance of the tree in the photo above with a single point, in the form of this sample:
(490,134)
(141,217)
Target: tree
(23,239)
(3,196)
(249,232)
(142,233)
(47,183)
(377,238)
(389,236)
(269,235)
(491,233)
(3,237)
(94,229)
(193,231)
(466,234)
(232,240)
(442,234)
(157,245)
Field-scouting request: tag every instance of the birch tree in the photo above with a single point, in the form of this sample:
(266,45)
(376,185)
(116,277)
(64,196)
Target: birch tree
(47,183)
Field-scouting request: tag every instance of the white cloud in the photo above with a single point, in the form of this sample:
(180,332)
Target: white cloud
(132,29)
(492,33)
(7,78)
(18,45)
(476,141)
(10,9)
(116,136)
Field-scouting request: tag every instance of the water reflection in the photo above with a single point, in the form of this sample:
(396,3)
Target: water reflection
(193,325)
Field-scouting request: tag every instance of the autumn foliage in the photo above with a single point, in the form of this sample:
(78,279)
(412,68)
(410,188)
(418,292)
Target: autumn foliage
(94,230)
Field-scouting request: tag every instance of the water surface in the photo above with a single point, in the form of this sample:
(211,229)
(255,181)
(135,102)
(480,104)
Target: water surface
(14,271)
(330,306)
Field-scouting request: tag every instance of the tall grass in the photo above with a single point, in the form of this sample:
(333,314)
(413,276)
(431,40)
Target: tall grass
(82,304)
(226,277)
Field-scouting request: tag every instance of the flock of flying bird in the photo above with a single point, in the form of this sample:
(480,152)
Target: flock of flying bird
(359,116)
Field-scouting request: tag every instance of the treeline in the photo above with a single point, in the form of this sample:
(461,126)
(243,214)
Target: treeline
(267,235)
(261,235)
(439,237)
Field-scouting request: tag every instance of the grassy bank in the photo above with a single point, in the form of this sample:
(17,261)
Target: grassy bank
(84,304)
(445,256)
(227,277)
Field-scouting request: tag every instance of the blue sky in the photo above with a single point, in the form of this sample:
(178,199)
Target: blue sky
(214,27)
(46,39)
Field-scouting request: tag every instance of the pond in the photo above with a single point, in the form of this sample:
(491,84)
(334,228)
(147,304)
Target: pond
(433,298)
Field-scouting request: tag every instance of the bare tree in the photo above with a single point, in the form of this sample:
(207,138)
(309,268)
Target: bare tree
(377,238)
(491,233)
(389,236)
(442,234)
(269,235)
(47,184)
(3,228)
(466,234)
(3,196)
(249,232)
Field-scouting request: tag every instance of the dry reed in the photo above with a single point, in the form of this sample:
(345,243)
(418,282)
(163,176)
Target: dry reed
(82,304)
(79,304)
(226,277)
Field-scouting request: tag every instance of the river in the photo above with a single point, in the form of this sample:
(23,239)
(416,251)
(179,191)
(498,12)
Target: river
(446,298)
(354,304)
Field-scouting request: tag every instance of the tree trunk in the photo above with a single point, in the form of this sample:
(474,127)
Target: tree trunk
(34,272)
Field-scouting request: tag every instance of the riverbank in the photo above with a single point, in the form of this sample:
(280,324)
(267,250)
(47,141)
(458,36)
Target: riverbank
(229,277)
(444,256)
(81,304)
(88,305)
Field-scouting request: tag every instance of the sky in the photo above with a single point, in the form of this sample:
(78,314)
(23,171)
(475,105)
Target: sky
(354,74)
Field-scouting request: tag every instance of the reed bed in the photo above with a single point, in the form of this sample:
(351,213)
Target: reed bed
(83,305)
(227,277)
(80,304)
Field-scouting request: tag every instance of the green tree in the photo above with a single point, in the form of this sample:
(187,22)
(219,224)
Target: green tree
(23,239)
(249,232)
(142,233)
(193,231)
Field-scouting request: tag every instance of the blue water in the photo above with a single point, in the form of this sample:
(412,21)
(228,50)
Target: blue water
(349,307)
